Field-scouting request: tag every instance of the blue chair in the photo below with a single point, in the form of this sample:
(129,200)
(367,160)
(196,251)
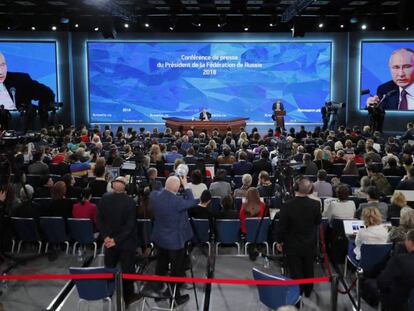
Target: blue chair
(144,229)
(25,230)
(43,205)
(90,289)
(55,230)
(352,180)
(228,232)
(238,203)
(215,203)
(252,225)
(201,232)
(275,296)
(81,231)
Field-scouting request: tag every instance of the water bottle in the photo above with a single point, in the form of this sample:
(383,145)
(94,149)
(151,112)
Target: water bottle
(266,264)
(79,254)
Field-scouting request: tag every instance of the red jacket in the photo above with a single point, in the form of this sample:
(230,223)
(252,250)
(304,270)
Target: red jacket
(243,216)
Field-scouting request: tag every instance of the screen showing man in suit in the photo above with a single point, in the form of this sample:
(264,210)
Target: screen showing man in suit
(397,93)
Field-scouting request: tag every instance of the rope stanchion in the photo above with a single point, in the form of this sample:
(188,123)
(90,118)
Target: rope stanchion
(158,278)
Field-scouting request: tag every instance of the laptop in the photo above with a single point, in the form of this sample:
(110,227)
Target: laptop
(351,227)
(113,172)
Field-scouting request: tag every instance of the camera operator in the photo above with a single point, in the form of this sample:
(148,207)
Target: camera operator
(171,230)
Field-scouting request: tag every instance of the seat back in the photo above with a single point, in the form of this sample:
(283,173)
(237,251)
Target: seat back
(81,230)
(274,296)
(228,230)
(352,180)
(201,230)
(94,289)
(144,229)
(215,203)
(54,228)
(374,256)
(25,229)
(238,203)
(252,226)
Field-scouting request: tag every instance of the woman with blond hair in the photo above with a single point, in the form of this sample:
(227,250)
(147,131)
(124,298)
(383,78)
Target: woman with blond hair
(350,168)
(242,139)
(398,202)
(157,159)
(373,233)
(252,207)
(398,234)
(320,162)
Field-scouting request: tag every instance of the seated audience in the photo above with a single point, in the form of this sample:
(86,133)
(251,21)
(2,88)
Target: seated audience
(44,190)
(379,180)
(308,167)
(265,186)
(362,192)
(350,168)
(373,233)
(263,164)
(340,208)
(246,183)
(397,234)
(60,206)
(38,167)
(202,210)
(321,162)
(72,191)
(396,281)
(227,210)
(26,208)
(226,157)
(392,168)
(98,186)
(85,209)
(373,201)
(323,188)
(220,187)
(78,168)
(252,207)
(196,184)
(408,181)
(398,202)
(242,166)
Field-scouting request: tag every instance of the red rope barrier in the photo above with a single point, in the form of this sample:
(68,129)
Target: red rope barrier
(161,279)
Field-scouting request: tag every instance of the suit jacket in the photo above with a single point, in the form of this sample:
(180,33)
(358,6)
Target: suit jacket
(27,90)
(407,184)
(298,221)
(171,226)
(241,167)
(397,280)
(258,166)
(392,101)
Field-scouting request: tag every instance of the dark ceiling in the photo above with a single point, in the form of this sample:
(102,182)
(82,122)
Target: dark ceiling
(202,15)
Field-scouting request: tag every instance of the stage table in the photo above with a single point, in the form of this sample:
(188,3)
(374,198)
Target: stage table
(220,124)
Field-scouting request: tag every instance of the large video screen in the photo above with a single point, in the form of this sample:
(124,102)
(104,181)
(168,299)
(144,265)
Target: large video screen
(387,67)
(37,59)
(144,82)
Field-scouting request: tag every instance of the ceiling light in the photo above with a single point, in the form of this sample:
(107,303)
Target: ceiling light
(33,28)
(320,25)
(54,28)
(364,26)
(96,29)
(246,28)
(171,28)
(8,28)
(146,25)
(126,25)
(408,28)
(342,26)
(383,27)
(76,25)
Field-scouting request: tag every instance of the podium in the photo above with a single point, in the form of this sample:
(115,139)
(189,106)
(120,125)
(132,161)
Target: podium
(280,118)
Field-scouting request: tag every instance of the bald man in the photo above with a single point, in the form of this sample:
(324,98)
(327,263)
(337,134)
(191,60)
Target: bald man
(298,223)
(17,90)
(399,92)
(171,228)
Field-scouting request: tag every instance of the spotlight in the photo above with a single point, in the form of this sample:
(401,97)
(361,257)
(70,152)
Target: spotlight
(76,25)
(126,25)
(320,25)
(407,28)
(246,28)
(364,26)
(171,28)
(33,28)
(54,28)
(146,25)
(383,28)
(342,26)
(96,29)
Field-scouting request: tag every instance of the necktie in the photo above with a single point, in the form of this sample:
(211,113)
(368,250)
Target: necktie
(403,102)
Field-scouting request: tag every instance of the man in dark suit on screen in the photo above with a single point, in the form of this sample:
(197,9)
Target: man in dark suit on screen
(205,115)
(397,94)
(17,90)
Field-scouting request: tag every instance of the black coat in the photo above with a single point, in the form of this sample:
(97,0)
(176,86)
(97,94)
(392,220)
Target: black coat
(27,90)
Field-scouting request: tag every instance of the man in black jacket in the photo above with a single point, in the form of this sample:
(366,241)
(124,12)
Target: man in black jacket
(397,280)
(117,225)
(298,223)
(408,182)
(17,90)
(263,164)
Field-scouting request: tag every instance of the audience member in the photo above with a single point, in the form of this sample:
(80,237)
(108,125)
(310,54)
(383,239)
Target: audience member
(362,192)
(246,183)
(308,166)
(398,202)
(196,185)
(263,164)
(202,210)
(252,207)
(99,185)
(408,181)
(26,208)
(85,209)
(59,206)
(321,187)
(154,184)
(44,190)
(379,180)
(397,234)
(227,210)
(265,186)
(242,166)
(220,187)
(373,233)
(350,168)
(373,201)
(298,221)
(38,167)
(392,168)
(340,208)
(72,191)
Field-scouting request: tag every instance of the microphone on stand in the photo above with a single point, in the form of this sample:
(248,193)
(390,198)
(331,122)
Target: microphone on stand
(390,93)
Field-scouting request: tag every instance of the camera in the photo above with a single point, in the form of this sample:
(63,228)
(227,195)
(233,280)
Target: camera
(181,170)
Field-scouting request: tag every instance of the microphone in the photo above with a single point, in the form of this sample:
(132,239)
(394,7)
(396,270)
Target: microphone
(13,92)
(365,92)
(390,93)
